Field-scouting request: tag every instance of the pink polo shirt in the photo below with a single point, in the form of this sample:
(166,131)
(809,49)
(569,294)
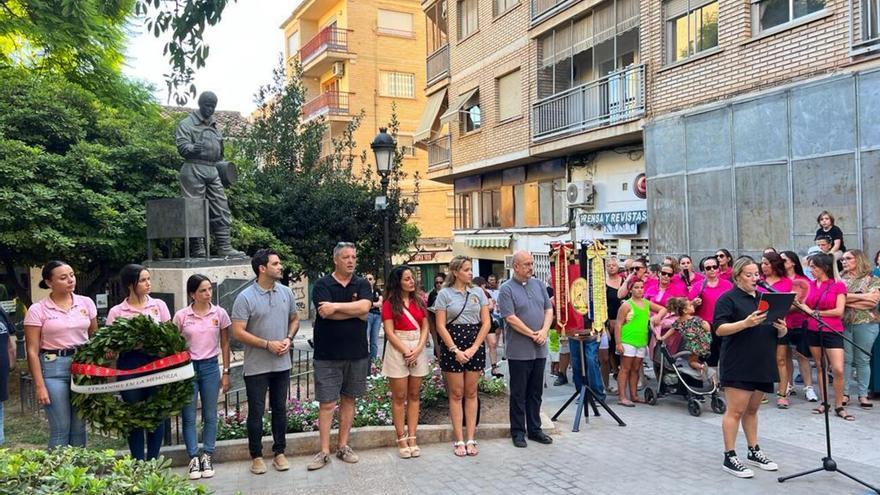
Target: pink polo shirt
(709,296)
(202,333)
(655,294)
(823,296)
(60,329)
(154,308)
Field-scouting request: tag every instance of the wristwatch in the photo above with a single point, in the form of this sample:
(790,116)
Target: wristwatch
(225,371)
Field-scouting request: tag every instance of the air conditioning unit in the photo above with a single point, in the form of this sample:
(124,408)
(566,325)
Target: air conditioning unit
(338,69)
(580,193)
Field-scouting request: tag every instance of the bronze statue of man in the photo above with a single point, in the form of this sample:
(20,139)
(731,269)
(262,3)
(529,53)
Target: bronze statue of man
(201,144)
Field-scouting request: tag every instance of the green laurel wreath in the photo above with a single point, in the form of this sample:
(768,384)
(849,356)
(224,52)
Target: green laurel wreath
(107,412)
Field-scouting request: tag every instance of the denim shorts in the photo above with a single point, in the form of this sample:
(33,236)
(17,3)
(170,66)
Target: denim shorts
(334,377)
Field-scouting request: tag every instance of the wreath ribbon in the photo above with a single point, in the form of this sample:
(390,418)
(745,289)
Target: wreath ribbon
(161,378)
(171,361)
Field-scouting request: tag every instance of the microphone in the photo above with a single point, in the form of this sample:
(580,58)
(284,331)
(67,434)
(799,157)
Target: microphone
(764,285)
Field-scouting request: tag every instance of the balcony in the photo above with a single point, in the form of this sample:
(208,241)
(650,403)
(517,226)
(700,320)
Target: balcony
(438,151)
(619,97)
(542,9)
(330,104)
(438,64)
(328,46)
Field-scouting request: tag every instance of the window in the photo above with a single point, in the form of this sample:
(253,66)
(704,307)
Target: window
(691,27)
(467,18)
(463,211)
(767,14)
(397,84)
(395,23)
(509,96)
(450,204)
(293,44)
(870,18)
(435,18)
(501,6)
(490,210)
(471,115)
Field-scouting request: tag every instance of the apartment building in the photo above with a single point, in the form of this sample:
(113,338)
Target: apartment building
(762,114)
(368,56)
(534,115)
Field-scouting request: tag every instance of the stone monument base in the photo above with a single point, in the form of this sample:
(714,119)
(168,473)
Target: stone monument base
(229,276)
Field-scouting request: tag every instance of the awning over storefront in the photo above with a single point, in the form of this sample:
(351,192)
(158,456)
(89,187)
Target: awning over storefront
(432,109)
(497,242)
(451,115)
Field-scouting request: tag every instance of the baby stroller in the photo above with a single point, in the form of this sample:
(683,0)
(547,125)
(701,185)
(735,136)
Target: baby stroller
(675,376)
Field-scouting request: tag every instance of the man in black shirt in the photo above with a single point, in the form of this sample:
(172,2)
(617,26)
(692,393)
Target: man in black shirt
(342,355)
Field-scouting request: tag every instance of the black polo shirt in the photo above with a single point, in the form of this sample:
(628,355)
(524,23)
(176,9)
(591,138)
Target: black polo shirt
(340,339)
(748,355)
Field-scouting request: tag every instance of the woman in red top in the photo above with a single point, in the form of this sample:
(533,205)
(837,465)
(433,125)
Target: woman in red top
(404,362)
(827,300)
(773,274)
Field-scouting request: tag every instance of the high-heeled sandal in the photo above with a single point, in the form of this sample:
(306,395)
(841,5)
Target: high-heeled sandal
(414,450)
(495,373)
(405,452)
(459,449)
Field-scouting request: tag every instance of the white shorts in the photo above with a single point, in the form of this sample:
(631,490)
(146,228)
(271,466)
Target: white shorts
(563,345)
(603,343)
(636,352)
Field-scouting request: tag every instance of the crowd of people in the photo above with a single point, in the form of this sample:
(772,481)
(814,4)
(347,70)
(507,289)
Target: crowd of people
(713,305)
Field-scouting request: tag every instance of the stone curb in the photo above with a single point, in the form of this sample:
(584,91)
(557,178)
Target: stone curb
(363,438)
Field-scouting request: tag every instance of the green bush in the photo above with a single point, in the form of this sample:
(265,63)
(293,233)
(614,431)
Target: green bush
(77,471)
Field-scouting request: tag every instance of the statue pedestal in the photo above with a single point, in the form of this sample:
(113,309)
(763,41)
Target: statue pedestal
(228,278)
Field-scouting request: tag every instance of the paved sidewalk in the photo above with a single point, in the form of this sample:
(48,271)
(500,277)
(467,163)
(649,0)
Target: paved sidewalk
(662,450)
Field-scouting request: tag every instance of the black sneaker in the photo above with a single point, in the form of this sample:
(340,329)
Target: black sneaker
(207,465)
(195,469)
(561,379)
(756,457)
(734,466)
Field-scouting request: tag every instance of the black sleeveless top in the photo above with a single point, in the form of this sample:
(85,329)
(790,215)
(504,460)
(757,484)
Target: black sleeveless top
(613,301)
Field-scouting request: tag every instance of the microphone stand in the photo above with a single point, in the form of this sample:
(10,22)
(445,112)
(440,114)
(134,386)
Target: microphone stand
(828,462)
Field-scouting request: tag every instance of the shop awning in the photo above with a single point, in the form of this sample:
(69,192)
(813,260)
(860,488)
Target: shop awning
(498,242)
(432,109)
(451,115)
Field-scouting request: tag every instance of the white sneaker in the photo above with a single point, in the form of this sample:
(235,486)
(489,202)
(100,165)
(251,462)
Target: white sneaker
(207,465)
(195,469)
(810,394)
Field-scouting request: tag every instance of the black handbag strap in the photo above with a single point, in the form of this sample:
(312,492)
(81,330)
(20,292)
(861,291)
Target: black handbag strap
(466,294)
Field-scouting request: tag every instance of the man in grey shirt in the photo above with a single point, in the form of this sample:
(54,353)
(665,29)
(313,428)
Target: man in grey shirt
(265,320)
(525,306)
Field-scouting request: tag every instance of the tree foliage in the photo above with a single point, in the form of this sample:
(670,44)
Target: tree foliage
(310,202)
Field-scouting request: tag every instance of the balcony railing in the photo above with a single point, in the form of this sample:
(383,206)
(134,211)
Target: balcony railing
(438,64)
(328,39)
(616,98)
(539,9)
(329,103)
(438,150)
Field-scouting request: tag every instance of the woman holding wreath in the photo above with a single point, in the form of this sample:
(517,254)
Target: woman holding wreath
(748,365)
(136,280)
(405,363)
(54,327)
(206,330)
(462,313)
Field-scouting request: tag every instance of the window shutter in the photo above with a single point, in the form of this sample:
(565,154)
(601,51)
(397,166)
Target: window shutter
(509,96)
(395,22)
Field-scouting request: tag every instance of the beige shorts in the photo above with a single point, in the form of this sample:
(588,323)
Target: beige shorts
(393,364)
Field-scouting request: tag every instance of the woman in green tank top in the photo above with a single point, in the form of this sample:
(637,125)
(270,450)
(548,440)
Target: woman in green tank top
(631,332)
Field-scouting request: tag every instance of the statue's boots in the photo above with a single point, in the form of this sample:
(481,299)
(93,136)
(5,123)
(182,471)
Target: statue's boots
(197,248)
(224,247)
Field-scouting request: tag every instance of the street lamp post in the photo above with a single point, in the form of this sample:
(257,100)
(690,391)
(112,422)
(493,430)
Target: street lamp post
(383,147)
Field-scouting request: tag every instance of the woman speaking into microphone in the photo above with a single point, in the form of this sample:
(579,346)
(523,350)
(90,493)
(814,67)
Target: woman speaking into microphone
(747,366)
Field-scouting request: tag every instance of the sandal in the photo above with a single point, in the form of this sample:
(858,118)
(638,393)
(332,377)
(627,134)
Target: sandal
(864,403)
(495,371)
(819,410)
(405,451)
(845,400)
(841,413)
(459,449)
(414,450)
(471,447)
(782,402)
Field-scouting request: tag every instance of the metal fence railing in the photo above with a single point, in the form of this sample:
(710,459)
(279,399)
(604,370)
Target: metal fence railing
(438,64)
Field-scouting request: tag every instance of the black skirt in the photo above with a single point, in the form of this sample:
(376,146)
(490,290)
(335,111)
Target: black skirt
(463,335)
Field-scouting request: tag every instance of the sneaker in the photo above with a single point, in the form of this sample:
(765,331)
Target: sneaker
(756,457)
(734,466)
(258,466)
(560,380)
(280,463)
(810,394)
(790,391)
(195,470)
(320,460)
(346,454)
(207,465)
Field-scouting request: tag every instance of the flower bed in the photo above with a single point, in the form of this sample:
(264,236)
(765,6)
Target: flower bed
(373,409)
